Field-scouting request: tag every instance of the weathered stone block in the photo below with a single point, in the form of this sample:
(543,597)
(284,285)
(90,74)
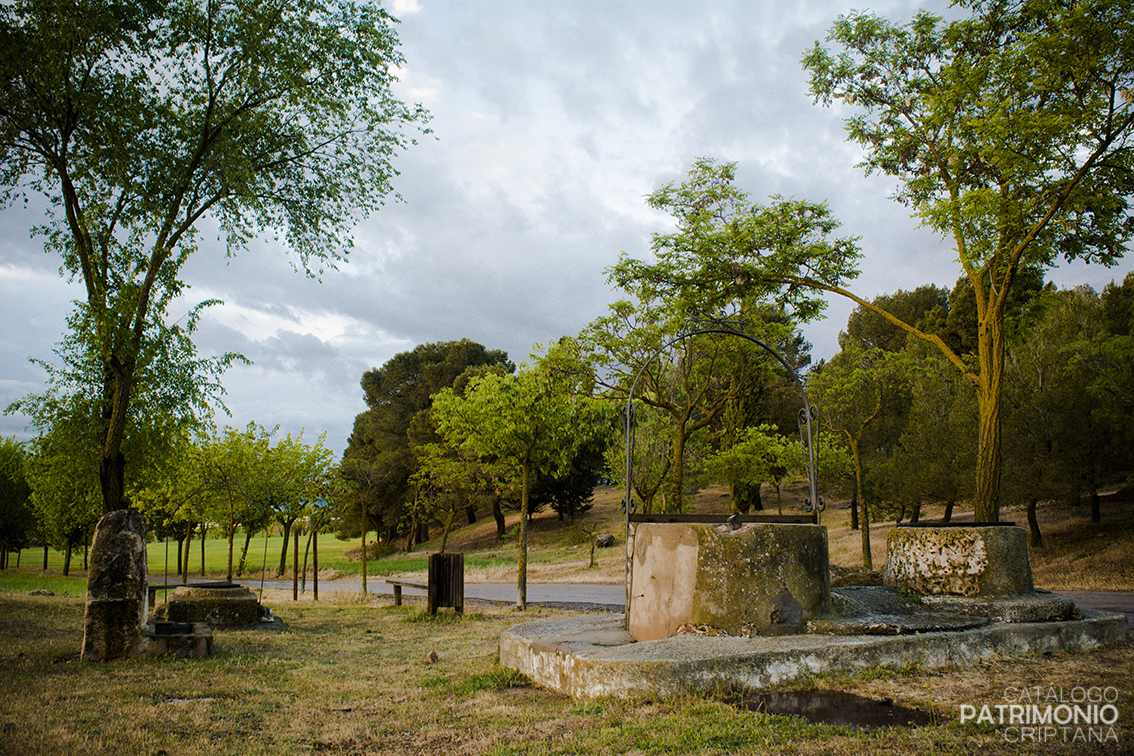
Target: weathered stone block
(189,639)
(116,587)
(758,579)
(990,560)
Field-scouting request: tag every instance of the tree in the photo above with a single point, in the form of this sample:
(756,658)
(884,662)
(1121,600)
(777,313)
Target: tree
(399,396)
(292,478)
(136,120)
(570,492)
(935,439)
(226,467)
(852,392)
(63,477)
(653,458)
(1010,133)
(693,381)
(17,519)
(532,421)
(752,460)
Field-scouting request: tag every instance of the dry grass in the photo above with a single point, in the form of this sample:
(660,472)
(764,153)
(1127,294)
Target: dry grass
(351,677)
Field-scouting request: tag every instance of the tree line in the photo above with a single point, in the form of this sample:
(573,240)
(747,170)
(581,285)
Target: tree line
(1007,131)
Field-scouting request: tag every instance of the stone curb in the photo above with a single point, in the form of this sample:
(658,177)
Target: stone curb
(591,657)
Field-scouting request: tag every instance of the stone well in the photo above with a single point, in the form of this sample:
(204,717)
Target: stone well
(758,579)
(979,560)
(220,605)
(982,570)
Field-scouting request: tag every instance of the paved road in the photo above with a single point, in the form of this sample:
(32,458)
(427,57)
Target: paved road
(595,594)
(1110,601)
(613,596)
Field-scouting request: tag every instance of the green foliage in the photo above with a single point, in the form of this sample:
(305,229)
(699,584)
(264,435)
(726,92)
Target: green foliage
(394,447)
(759,456)
(728,250)
(17,519)
(528,422)
(853,392)
(698,381)
(265,118)
(1009,134)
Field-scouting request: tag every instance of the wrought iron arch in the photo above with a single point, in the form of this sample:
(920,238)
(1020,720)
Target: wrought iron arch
(807,415)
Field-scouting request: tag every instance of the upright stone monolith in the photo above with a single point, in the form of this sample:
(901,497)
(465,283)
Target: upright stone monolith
(116,587)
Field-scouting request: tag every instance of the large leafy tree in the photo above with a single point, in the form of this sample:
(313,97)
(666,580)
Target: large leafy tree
(853,391)
(17,519)
(382,452)
(137,120)
(532,421)
(1011,134)
(693,380)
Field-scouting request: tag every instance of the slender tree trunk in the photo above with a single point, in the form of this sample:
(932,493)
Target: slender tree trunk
(498,515)
(470,514)
(45,550)
(231,537)
(364,590)
(315,564)
(295,569)
(522,560)
(204,533)
(1035,537)
(854,508)
(283,551)
(188,544)
(990,341)
(244,551)
(915,516)
(1096,505)
(447,527)
(306,554)
(948,515)
(67,559)
(678,472)
(864,519)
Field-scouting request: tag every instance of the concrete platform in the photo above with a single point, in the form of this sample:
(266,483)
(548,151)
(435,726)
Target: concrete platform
(594,656)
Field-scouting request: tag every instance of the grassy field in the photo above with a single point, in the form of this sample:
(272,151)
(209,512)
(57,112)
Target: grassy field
(350,676)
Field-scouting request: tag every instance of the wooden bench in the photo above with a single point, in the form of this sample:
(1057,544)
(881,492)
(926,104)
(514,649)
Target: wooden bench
(399,584)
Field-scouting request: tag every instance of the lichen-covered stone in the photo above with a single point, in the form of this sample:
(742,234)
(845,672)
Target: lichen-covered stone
(116,587)
(959,561)
(759,579)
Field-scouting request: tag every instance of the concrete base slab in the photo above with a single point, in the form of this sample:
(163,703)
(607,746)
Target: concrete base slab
(582,658)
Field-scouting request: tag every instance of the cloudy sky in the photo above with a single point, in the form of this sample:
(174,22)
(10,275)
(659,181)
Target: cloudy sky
(552,121)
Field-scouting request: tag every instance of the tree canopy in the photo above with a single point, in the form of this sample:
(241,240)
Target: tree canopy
(1010,133)
(137,120)
(532,421)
